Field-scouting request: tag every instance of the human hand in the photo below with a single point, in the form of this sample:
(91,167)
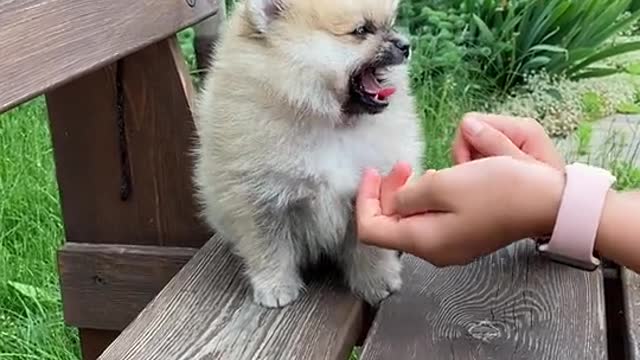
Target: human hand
(483,135)
(452,216)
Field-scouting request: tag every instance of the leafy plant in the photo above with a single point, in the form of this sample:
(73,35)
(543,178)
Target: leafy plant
(627,175)
(508,39)
(584,133)
(592,105)
(628,108)
(560,36)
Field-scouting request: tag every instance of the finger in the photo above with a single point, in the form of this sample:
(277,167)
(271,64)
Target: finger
(418,197)
(390,185)
(527,134)
(489,141)
(368,196)
(373,228)
(461,149)
(516,129)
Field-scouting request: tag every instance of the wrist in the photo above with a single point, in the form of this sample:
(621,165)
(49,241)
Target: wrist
(545,198)
(579,216)
(606,227)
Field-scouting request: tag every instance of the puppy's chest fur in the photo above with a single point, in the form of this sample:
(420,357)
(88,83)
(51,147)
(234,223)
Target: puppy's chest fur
(328,167)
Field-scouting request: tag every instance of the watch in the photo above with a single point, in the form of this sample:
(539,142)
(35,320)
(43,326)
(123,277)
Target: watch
(573,239)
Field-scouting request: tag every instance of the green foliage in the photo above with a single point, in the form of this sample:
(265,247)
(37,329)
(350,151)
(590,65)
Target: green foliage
(592,105)
(584,134)
(628,108)
(185,39)
(633,68)
(508,39)
(627,175)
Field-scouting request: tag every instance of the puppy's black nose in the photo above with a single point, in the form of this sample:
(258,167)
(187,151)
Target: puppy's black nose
(403,45)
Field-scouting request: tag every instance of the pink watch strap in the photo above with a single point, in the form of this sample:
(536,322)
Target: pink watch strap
(583,200)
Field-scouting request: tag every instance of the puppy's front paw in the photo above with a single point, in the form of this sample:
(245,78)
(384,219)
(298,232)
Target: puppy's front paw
(277,295)
(377,282)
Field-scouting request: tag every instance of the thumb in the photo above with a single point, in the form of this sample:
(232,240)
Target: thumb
(488,141)
(420,196)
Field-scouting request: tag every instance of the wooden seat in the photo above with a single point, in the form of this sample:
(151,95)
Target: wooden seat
(137,258)
(512,304)
(206,312)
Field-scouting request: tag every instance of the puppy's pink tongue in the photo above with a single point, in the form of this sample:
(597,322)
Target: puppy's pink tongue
(386,92)
(373,87)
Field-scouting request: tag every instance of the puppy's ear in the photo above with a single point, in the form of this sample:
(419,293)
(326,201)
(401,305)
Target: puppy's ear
(262,12)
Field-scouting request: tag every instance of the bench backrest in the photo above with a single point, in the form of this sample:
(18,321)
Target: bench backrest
(46,43)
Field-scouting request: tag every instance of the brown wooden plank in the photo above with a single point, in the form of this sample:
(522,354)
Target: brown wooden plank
(122,137)
(49,42)
(206,312)
(106,286)
(94,342)
(631,298)
(511,305)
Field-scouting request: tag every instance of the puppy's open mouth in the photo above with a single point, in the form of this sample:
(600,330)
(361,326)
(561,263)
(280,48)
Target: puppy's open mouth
(368,89)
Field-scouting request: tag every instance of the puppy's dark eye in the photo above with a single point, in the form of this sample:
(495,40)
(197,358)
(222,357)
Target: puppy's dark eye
(363,30)
(360,31)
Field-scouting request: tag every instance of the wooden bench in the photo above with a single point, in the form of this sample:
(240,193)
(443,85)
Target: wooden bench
(141,281)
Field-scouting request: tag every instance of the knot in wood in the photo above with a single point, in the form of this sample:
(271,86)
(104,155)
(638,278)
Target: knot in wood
(484,330)
(191,3)
(99,280)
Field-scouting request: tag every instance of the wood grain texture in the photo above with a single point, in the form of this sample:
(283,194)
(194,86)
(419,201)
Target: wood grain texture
(106,286)
(631,298)
(206,312)
(46,43)
(122,137)
(511,305)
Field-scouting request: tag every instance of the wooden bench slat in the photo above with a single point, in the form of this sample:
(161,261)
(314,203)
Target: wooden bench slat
(511,305)
(631,298)
(48,42)
(106,286)
(206,312)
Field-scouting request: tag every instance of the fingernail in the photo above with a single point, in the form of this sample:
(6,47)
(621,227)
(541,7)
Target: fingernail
(472,126)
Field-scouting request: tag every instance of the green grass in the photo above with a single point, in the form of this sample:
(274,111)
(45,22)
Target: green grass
(31,325)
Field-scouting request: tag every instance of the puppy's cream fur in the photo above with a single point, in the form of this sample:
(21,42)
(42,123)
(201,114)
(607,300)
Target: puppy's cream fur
(279,161)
